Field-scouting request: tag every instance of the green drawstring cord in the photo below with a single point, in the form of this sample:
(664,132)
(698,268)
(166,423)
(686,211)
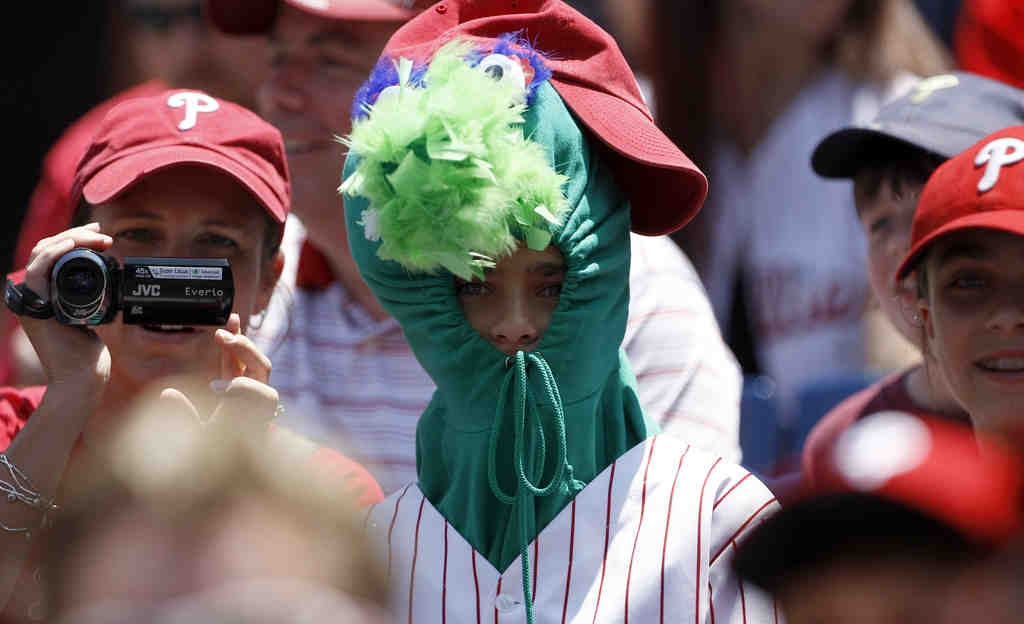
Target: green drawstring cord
(525,489)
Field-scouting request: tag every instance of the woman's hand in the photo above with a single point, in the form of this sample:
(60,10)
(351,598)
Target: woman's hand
(73,358)
(245,398)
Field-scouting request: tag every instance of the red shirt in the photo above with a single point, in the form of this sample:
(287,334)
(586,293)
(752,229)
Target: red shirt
(888,394)
(18,404)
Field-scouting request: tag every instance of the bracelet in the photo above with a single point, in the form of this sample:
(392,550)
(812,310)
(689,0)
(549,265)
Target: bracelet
(20,489)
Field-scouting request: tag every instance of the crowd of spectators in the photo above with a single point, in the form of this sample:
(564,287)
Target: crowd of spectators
(837,332)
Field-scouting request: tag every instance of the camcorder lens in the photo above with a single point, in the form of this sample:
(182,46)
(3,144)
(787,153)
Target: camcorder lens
(80,282)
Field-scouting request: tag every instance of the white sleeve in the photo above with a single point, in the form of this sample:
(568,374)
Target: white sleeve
(741,504)
(688,380)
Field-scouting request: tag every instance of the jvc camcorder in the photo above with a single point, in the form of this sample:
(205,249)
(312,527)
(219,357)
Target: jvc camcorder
(88,288)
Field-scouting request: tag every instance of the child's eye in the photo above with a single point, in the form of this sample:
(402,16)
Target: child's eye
(878,225)
(968,282)
(470,289)
(551,290)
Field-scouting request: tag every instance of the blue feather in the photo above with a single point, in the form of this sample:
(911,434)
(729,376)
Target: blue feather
(385,75)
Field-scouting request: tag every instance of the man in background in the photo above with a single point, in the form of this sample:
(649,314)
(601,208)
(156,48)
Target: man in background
(341,365)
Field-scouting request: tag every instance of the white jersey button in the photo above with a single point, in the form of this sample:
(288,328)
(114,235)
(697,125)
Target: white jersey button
(504,603)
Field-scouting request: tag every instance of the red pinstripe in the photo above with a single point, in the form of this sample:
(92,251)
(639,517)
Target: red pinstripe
(639,526)
(568,574)
(743,597)
(497,592)
(536,564)
(740,530)
(711,604)
(444,578)
(668,520)
(700,513)
(607,528)
(415,553)
(729,491)
(391,528)
(476,582)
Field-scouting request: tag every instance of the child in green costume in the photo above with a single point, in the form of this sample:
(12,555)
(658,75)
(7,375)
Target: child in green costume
(496,230)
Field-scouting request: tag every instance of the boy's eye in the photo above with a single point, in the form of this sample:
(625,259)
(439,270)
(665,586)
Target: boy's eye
(968,283)
(879,224)
(551,290)
(470,289)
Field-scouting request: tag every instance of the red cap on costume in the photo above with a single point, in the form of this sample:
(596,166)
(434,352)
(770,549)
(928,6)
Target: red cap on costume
(938,467)
(982,187)
(143,135)
(248,17)
(665,188)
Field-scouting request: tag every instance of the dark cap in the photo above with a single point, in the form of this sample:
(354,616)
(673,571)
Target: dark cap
(943,114)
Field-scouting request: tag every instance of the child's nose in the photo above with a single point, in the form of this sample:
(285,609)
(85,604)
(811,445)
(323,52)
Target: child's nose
(515,328)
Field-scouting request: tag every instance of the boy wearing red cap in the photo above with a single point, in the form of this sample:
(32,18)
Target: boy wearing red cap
(490,190)
(967,243)
(342,365)
(181,174)
(889,160)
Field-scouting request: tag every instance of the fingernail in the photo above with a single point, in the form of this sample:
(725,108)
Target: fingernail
(224,334)
(219,385)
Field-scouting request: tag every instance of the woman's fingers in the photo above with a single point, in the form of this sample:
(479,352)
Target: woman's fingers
(230,367)
(246,402)
(47,251)
(246,359)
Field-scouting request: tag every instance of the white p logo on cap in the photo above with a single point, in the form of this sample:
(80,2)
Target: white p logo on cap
(194,104)
(997,154)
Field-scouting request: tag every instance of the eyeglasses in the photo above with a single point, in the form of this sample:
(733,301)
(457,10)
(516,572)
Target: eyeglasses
(162,19)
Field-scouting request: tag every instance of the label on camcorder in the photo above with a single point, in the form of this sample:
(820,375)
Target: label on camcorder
(186,272)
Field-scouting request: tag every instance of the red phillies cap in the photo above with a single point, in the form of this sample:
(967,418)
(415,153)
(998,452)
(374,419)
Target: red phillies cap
(249,17)
(143,135)
(589,72)
(982,187)
(937,467)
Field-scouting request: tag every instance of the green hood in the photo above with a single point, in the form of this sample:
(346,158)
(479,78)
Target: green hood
(582,346)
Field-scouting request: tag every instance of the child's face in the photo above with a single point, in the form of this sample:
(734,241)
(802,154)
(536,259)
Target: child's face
(887,217)
(973,314)
(513,307)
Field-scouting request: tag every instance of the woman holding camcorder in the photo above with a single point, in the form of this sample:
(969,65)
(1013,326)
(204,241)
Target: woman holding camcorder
(182,200)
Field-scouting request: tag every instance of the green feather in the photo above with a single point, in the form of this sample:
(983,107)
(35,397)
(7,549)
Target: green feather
(451,181)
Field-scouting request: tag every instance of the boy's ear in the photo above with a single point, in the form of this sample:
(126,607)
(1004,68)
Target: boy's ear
(269,276)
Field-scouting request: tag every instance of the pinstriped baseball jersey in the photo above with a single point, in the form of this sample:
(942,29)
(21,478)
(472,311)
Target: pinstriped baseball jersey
(650,539)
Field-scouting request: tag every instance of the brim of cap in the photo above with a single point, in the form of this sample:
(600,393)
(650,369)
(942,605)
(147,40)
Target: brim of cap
(843,153)
(1007,220)
(815,533)
(252,17)
(118,176)
(665,188)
